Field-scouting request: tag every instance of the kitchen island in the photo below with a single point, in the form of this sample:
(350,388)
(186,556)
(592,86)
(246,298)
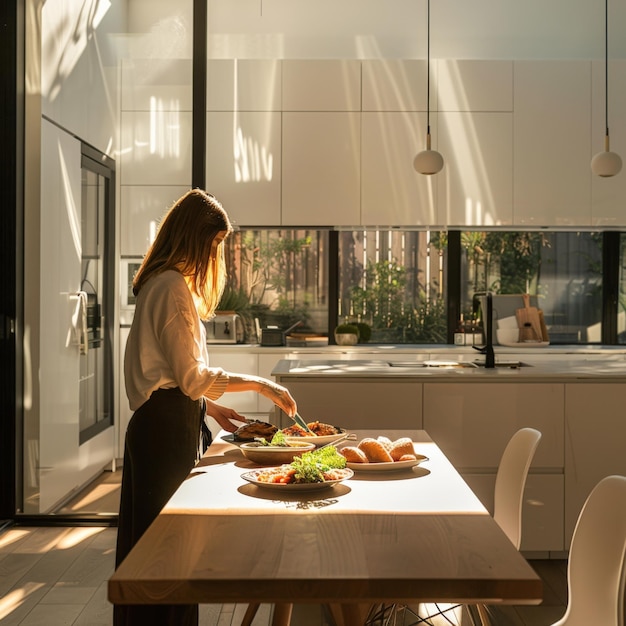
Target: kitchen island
(471,412)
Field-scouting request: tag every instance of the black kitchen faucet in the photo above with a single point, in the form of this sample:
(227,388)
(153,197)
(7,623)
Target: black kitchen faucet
(487,349)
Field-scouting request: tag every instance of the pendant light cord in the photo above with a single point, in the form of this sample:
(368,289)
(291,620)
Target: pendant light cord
(606,67)
(428,68)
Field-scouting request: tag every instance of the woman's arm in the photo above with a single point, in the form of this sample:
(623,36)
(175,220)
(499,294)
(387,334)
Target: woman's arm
(278,394)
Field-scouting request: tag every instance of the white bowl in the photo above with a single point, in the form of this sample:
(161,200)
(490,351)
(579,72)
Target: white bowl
(508,322)
(274,455)
(507,335)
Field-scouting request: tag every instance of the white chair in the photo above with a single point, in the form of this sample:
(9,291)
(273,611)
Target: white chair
(511,482)
(595,568)
(508,503)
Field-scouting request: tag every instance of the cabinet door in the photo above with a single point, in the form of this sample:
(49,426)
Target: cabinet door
(476,184)
(392,192)
(156,147)
(358,404)
(321,85)
(607,194)
(142,208)
(473,422)
(476,86)
(243,165)
(595,435)
(552,153)
(321,169)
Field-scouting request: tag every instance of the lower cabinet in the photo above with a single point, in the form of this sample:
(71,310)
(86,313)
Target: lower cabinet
(358,404)
(472,424)
(595,432)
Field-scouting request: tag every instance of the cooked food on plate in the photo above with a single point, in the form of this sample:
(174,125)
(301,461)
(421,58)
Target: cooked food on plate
(255,429)
(319,428)
(317,466)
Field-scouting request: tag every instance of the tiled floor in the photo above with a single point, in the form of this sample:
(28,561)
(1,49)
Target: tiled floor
(54,576)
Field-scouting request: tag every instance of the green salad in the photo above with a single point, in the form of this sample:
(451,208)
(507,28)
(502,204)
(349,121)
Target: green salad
(312,466)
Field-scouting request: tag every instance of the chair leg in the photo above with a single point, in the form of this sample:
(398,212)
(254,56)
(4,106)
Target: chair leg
(251,611)
(483,614)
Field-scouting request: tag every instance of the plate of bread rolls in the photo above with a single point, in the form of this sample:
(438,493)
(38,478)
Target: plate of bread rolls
(382,455)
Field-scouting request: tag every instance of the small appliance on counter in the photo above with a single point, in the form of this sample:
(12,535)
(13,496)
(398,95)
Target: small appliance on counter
(274,336)
(225,327)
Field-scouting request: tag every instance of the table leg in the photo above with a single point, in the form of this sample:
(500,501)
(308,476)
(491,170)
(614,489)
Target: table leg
(282,614)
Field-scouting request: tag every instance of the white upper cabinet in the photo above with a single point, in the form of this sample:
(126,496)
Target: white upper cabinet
(396,85)
(551,138)
(243,165)
(321,169)
(608,195)
(243,132)
(321,142)
(144,207)
(244,85)
(321,85)
(393,128)
(475,104)
(156,147)
(392,192)
(476,183)
(476,86)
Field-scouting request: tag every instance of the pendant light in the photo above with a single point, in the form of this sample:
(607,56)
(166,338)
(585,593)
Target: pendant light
(606,163)
(428,161)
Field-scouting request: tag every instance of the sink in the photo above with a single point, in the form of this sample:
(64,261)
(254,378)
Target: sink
(457,364)
(510,364)
(435,364)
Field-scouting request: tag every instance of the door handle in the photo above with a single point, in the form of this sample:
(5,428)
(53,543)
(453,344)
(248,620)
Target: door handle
(79,321)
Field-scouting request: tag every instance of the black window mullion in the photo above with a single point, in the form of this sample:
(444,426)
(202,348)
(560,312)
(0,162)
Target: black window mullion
(453,282)
(610,285)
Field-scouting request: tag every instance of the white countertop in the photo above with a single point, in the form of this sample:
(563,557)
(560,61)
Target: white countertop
(604,367)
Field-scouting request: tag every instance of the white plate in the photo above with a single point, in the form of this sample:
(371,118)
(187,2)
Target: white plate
(320,440)
(251,477)
(387,467)
(526,344)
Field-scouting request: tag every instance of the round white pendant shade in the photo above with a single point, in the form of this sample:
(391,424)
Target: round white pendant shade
(606,164)
(428,162)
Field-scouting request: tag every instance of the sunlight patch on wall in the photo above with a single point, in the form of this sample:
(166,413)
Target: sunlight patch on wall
(165,130)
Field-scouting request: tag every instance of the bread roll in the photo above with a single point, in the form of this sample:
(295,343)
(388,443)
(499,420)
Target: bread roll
(407,457)
(375,451)
(400,447)
(353,454)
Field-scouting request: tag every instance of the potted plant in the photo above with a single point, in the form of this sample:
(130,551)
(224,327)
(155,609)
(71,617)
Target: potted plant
(347,334)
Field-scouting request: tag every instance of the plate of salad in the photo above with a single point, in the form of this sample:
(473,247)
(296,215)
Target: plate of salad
(318,469)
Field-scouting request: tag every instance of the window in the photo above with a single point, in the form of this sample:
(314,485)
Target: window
(399,281)
(563,269)
(394,281)
(280,278)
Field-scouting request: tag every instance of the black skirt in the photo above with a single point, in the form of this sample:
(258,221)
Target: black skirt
(160,450)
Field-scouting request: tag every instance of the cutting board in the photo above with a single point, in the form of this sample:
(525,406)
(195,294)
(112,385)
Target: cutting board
(530,314)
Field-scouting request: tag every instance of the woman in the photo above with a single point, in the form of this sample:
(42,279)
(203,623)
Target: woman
(169,382)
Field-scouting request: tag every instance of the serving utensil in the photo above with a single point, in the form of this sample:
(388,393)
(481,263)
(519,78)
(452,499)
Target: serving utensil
(297,418)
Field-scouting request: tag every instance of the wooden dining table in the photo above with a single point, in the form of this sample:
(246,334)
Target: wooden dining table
(415,535)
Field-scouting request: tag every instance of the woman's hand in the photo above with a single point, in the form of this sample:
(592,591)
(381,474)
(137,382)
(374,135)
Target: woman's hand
(223,415)
(281,397)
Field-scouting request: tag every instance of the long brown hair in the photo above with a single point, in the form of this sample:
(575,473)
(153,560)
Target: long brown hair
(185,242)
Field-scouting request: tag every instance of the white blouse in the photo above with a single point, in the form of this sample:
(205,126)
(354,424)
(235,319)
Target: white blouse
(166,345)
